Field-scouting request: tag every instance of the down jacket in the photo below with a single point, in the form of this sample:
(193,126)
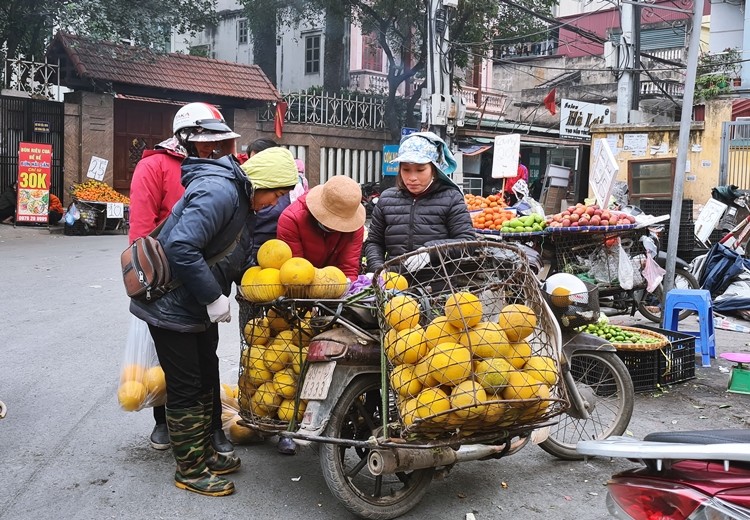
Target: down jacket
(298,228)
(213,213)
(402,222)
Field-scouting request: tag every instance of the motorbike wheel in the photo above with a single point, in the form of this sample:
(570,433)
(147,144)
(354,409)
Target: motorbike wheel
(345,470)
(652,303)
(605,386)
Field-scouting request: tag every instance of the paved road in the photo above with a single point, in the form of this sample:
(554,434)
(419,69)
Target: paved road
(68,451)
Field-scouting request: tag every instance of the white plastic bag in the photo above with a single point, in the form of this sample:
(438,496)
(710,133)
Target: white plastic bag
(142,382)
(624,269)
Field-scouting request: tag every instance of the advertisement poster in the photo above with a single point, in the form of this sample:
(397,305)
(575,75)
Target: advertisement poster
(34,175)
(390,152)
(576,118)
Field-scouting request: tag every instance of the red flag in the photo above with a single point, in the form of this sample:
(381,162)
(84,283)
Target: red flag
(549,101)
(278,124)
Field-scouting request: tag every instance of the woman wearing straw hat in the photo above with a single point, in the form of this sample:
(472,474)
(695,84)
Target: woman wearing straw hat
(424,207)
(326,225)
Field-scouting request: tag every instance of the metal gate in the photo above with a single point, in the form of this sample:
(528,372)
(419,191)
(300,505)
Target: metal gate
(734,164)
(33,121)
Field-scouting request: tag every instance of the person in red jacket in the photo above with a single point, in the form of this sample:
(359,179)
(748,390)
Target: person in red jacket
(326,225)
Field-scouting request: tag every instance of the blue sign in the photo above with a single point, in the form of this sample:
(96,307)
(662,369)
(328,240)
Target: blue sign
(390,152)
(406,130)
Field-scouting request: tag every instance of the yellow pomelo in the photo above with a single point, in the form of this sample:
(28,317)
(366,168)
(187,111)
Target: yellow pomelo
(522,386)
(131,395)
(496,412)
(286,410)
(463,310)
(277,356)
(518,321)
(422,373)
(250,354)
(285,383)
(440,331)
(267,397)
(258,373)
(431,401)
(542,368)
(519,354)
(449,363)
(274,253)
(154,381)
(560,296)
(409,346)
(239,434)
(132,372)
(296,274)
(492,373)
(394,281)
(257,408)
(389,343)
(404,381)
(287,337)
(330,282)
(402,312)
(408,411)
(276,321)
(467,400)
(266,286)
(257,331)
(537,409)
(248,280)
(485,340)
(299,356)
(245,385)
(245,402)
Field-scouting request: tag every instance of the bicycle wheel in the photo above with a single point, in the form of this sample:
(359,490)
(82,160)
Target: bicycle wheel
(652,303)
(605,386)
(345,469)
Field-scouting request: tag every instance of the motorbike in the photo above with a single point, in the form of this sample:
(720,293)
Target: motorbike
(685,475)
(377,463)
(370,195)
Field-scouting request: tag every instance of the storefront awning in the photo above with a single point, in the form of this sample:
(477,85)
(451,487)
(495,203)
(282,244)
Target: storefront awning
(474,149)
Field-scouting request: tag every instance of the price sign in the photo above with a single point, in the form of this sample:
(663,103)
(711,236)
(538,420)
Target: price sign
(505,156)
(604,172)
(115,210)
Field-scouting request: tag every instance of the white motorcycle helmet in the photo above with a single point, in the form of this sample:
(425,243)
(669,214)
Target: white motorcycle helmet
(201,122)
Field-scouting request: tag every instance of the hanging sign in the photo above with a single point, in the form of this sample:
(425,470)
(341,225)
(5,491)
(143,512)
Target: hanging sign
(576,118)
(34,175)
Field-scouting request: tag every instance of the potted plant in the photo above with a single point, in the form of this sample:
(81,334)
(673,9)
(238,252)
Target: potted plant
(717,72)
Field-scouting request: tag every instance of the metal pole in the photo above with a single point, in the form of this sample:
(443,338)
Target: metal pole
(625,83)
(682,147)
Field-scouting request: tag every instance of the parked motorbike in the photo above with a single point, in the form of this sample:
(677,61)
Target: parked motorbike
(696,475)
(370,195)
(352,417)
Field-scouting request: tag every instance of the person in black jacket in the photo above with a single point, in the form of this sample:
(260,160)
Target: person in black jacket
(216,211)
(424,207)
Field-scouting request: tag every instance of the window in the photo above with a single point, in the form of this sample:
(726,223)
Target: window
(650,179)
(242,31)
(312,54)
(372,54)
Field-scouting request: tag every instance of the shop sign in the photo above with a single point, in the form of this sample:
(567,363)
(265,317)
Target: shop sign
(390,152)
(34,175)
(576,118)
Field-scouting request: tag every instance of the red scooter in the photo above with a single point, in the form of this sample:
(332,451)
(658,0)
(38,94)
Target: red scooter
(695,475)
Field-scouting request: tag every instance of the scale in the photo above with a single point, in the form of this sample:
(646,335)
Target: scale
(739,378)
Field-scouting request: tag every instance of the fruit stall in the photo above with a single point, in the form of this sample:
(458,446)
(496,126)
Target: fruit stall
(96,208)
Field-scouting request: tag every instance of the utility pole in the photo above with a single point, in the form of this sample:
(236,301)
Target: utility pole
(626,60)
(439,112)
(682,146)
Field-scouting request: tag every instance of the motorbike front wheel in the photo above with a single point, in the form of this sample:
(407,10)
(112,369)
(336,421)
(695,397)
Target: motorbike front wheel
(356,415)
(652,304)
(607,389)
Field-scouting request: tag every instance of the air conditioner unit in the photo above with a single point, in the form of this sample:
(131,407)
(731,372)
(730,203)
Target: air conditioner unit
(611,53)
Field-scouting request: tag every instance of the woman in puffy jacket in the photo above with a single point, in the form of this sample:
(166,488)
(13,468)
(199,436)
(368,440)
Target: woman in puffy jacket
(425,207)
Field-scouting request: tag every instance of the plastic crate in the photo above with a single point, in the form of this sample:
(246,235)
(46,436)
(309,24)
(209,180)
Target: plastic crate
(673,363)
(664,207)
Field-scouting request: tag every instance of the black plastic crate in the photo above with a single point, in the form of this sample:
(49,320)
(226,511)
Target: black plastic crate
(673,363)
(664,207)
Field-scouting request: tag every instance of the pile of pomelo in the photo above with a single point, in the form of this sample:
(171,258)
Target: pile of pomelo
(270,366)
(464,369)
(278,274)
(230,417)
(141,387)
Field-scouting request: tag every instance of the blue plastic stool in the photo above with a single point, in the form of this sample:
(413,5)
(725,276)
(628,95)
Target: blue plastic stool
(698,300)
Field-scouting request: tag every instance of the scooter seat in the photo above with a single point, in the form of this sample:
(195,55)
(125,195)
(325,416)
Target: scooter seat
(701,437)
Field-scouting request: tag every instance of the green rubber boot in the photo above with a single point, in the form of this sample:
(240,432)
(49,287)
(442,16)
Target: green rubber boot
(188,435)
(218,463)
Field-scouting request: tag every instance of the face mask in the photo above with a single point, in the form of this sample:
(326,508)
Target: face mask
(426,187)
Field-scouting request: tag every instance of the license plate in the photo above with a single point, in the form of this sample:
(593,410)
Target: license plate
(317,380)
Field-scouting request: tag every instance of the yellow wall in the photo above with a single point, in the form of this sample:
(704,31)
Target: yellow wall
(703,150)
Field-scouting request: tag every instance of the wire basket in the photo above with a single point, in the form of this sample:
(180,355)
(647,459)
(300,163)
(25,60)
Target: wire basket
(470,347)
(594,256)
(574,310)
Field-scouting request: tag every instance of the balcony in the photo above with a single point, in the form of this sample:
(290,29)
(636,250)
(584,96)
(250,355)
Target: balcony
(476,100)
(525,50)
